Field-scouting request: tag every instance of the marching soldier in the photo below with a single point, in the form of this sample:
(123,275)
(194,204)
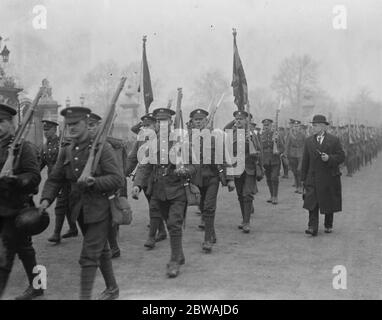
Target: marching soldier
(165,184)
(207,178)
(48,157)
(157,230)
(245,182)
(294,148)
(271,159)
(88,200)
(16,193)
(321,175)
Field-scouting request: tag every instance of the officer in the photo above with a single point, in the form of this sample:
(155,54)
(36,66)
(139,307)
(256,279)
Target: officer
(119,147)
(157,229)
(165,183)
(294,149)
(271,159)
(88,201)
(245,182)
(48,157)
(16,193)
(207,178)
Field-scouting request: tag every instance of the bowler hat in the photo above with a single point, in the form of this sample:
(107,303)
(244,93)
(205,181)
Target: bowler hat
(319,118)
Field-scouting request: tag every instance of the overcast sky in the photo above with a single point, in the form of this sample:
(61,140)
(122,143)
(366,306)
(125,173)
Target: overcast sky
(187,37)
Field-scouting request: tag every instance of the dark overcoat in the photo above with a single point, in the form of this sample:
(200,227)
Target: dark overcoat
(322,180)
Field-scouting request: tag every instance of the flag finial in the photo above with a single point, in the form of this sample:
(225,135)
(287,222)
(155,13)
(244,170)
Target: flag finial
(144,39)
(234,32)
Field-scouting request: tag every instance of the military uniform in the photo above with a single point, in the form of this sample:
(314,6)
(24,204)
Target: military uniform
(294,148)
(49,154)
(245,182)
(168,196)
(16,194)
(157,227)
(89,205)
(207,178)
(271,161)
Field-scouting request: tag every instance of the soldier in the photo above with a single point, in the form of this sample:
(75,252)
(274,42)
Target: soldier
(321,175)
(120,151)
(48,157)
(88,200)
(245,182)
(207,178)
(16,193)
(157,229)
(271,159)
(293,149)
(168,199)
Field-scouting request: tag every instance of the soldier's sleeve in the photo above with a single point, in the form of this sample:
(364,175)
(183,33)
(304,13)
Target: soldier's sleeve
(111,178)
(305,162)
(142,175)
(338,156)
(132,159)
(55,180)
(28,168)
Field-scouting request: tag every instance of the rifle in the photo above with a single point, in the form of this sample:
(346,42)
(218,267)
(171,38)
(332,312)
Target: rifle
(211,116)
(252,147)
(276,133)
(101,136)
(7,169)
(179,125)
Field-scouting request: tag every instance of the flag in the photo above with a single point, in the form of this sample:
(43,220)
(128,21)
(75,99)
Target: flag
(147,89)
(239,82)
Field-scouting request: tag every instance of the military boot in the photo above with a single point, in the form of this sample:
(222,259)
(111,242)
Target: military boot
(30,293)
(109,294)
(71,233)
(173,268)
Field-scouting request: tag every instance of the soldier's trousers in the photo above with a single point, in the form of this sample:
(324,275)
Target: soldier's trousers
(314,219)
(156,220)
(246,189)
(272,172)
(209,192)
(295,166)
(13,243)
(95,253)
(173,212)
(62,210)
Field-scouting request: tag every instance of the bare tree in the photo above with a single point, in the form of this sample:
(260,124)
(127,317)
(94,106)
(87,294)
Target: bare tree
(210,85)
(297,76)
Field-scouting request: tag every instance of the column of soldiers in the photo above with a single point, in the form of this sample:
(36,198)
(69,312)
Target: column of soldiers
(87,203)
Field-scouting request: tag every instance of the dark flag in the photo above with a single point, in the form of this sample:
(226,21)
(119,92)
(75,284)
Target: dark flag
(147,89)
(239,82)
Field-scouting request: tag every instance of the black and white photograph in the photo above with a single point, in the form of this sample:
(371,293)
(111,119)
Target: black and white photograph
(203,151)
